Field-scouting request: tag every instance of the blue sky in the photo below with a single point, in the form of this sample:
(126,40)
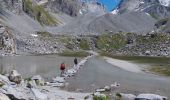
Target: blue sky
(110,4)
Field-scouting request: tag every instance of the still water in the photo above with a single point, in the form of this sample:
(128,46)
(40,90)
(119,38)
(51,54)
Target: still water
(45,65)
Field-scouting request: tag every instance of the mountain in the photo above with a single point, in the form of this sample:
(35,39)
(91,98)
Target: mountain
(31,20)
(156,8)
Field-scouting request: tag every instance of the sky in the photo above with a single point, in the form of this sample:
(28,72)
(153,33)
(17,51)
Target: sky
(110,4)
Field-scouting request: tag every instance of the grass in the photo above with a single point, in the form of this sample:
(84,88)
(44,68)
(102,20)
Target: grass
(108,42)
(158,65)
(44,34)
(74,53)
(101,98)
(154,16)
(39,13)
(156,38)
(84,44)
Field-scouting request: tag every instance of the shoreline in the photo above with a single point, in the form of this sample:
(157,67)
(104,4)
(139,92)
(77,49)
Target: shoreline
(48,91)
(125,65)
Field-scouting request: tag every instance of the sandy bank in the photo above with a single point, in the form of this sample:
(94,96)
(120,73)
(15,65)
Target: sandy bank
(126,65)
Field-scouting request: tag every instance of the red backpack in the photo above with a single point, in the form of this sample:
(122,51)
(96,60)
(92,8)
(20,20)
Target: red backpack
(62,67)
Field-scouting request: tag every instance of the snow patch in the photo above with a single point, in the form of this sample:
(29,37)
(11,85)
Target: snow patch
(165,2)
(114,12)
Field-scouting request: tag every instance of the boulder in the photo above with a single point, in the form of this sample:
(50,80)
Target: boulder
(147,52)
(100,90)
(39,95)
(12,97)
(127,96)
(100,96)
(38,80)
(59,80)
(4,79)
(3,97)
(14,76)
(56,84)
(107,88)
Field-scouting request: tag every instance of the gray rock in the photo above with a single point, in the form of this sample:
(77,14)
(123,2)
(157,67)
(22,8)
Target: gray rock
(14,76)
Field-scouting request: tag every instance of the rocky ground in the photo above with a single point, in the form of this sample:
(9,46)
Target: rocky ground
(13,87)
(155,44)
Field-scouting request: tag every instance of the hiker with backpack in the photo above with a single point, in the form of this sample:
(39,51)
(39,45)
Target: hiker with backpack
(62,68)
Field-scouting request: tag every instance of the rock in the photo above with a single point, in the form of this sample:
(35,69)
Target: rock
(147,52)
(38,80)
(98,94)
(56,84)
(107,88)
(12,97)
(127,96)
(59,80)
(100,90)
(71,72)
(15,77)
(151,97)
(4,79)
(3,97)
(12,92)
(115,85)
(2,29)
(39,95)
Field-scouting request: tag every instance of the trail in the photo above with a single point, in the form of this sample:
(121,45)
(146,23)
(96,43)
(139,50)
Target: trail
(97,73)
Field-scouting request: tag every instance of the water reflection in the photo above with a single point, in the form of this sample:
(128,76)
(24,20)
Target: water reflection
(45,65)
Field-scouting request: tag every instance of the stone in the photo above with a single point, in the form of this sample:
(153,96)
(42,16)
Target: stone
(100,90)
(107,88)
(59,80)
(127,96)
(3,97)
(14,76)
(56,84)
(12,97)
(38,80)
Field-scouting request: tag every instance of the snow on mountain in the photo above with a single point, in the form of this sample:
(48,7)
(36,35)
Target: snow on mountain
(165,2)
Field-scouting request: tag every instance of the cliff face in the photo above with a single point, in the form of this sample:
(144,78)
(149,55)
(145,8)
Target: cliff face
(153,7)
(74,7)
(70,7)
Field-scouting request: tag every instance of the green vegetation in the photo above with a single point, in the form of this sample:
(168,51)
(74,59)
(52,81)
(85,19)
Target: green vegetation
(101,98)
(159,65)
(39,13)
(84,44)
(118,96)
(162,70)
(44,34)
(74,53)
(154,38)
(154,16)
(108,42)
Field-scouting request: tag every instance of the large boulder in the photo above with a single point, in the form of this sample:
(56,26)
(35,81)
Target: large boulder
(3,97)
(14,76)
(38,80)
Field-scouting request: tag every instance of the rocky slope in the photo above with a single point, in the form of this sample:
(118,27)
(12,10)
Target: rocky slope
(7,41)
(28,18)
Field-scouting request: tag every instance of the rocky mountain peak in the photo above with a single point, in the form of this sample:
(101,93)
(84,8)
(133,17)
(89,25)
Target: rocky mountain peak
(158,9)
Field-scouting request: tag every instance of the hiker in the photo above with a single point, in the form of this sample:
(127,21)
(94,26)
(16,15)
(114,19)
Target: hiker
(62,68)
(75,61)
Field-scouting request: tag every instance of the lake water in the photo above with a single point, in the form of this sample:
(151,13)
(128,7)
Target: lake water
(47,66)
